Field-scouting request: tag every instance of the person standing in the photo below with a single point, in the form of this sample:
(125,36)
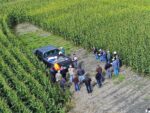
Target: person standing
(108,56)
(108,70)
(95,52)
(87,82)
(71,73)
(104,56)
(75,61)
(99,69)
(58,76)
(63,72)
(76,83)
(101,54)
(62,83)
(115,65)
(53,74)
(80,73)
(114,54)
(98,78)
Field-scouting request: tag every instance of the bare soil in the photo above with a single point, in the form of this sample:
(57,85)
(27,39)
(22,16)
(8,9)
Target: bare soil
(132,95)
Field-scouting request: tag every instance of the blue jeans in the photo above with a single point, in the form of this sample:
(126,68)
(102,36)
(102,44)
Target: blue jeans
(76,86)
(99,82)
(71,78)
(108,73)
(116,71)
(89,88)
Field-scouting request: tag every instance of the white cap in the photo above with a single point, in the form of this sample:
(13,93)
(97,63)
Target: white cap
(108,51)
(115,52)
(113,59)
(60,53)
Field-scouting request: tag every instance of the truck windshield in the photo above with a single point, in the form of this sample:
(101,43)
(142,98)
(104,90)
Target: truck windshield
(51,53)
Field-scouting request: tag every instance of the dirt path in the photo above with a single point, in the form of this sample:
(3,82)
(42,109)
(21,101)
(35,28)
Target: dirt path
(130,96)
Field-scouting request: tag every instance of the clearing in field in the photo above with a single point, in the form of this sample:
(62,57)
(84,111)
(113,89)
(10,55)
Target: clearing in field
(130,93)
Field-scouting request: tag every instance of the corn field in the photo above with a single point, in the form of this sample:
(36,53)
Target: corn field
(121,25)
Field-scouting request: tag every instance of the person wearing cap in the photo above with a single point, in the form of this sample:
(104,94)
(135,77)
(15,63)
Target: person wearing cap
(114,54)
(75,61)
(115,65)
(101,54)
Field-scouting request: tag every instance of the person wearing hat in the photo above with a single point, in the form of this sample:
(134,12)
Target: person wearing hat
(114,54)
(75,61)
(101,54)
(115,65)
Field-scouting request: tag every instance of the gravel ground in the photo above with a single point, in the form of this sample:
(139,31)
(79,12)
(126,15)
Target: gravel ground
(130,96)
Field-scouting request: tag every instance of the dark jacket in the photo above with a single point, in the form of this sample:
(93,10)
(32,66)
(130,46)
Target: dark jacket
(98,76)
(63,72)
(87,81)
(80,72)
(107,66)
(95,51)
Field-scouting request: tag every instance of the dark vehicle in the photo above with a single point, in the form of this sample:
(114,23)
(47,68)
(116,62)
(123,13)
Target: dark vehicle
(50,55)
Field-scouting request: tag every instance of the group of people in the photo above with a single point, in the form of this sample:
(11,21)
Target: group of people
(75,74)
(112,60)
